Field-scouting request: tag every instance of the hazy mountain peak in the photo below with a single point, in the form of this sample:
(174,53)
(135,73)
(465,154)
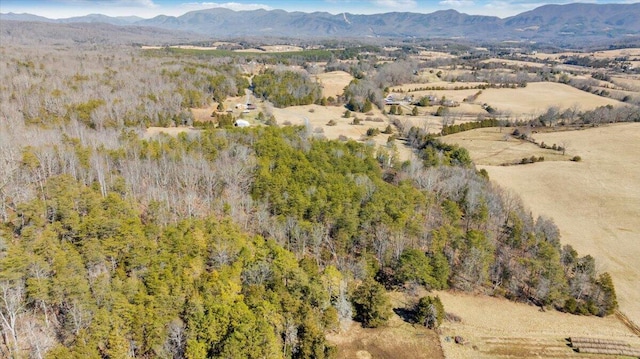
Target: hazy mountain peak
(548,23)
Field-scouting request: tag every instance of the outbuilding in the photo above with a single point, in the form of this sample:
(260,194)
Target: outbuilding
(241,123)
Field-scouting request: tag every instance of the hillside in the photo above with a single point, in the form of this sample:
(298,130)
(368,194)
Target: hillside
(570,25)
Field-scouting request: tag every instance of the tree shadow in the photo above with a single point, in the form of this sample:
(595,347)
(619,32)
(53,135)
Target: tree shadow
(406,314)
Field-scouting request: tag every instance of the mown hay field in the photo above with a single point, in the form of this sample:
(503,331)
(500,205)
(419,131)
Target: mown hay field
(594,202)
(518,103)
(498,328)
(333,83)
(537,97)
(495,146)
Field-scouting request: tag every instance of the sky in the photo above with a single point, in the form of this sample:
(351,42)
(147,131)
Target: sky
(57,9)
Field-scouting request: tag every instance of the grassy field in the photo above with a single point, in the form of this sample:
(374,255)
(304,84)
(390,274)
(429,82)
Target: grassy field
(595,202)
(608,54)
(518,103)
(333,83)
(494,146)
(491,328)
(498,328)
(538,96)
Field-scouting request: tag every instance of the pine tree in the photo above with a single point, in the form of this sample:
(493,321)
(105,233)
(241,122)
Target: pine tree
(371,303)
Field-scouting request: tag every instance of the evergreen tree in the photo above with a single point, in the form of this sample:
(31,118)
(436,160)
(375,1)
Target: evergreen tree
(371,304)
(429,312)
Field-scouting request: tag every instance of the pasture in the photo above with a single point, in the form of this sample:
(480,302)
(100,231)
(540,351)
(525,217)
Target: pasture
(595,202)
(538,96)
(333,83)
(516,103)
(498,328)
(495,146)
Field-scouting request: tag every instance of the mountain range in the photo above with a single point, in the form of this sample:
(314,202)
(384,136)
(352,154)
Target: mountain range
(570,24)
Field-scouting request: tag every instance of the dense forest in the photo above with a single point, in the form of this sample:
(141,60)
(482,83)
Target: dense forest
(235,243)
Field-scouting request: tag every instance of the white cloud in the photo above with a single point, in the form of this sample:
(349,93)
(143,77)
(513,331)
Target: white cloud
(457,3)
(398,4)
(228,5)
(114,3)
(509,8)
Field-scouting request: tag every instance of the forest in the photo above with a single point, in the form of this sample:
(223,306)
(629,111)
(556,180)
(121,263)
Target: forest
(229,242)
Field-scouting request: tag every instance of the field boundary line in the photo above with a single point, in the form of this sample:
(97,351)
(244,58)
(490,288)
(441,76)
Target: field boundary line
(626,321)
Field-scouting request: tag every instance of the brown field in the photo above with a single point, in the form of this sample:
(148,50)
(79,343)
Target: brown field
(272,49)
(532,100)
(191,47)
(281,48)
(435,55)
(333,83)
(497,328)
(494,146)
(612,54)
(629,82)
(595,202)
(608,54)
(515,63)
(398,339)
(491,328)
(538,96)
(317,118)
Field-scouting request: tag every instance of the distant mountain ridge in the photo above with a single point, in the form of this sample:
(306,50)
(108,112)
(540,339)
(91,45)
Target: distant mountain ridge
(549,23)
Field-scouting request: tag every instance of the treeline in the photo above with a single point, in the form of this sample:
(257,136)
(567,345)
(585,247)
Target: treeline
(451,129)
(434,152)
(572,116)
(275,58)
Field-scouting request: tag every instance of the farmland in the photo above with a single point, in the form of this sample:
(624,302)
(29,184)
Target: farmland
(595,202)
(300,199)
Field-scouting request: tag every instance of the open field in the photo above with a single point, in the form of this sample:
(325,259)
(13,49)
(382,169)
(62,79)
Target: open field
(398,339)
(498,328)
(491,328)
(595,203)
(538,96)
(333,83)
(609,54)
(520,63)
(612,54)
(318,117)
(272,49)
(494,146)
(630,82)
(532,100)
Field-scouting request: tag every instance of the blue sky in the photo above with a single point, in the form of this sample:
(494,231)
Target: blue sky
(150,8)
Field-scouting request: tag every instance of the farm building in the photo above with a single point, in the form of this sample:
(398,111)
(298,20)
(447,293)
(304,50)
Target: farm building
(241,123)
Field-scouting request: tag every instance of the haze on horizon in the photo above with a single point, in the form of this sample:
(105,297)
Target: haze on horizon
(58,9)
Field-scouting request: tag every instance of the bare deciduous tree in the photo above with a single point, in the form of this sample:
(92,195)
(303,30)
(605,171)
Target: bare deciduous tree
(12,307)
